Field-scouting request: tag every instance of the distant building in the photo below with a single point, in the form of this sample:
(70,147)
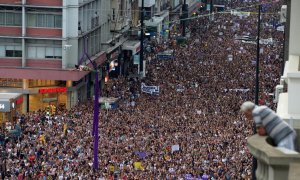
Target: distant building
(42,41)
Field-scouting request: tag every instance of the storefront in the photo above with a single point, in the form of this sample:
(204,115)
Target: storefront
(129,49)
(48,98)
(8,107)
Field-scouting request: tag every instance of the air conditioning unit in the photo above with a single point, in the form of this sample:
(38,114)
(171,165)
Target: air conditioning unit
(283,13)
(278,90)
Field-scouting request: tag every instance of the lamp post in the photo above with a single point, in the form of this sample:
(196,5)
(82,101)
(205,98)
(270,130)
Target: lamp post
(95,131)
(254,161)
(142,38)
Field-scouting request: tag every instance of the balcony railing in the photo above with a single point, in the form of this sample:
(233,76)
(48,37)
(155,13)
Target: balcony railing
(273,163)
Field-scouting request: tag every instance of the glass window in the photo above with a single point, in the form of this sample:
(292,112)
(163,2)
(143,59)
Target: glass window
(49,52)
(2,18)
(17,19)
(40,20)
(31,52)
(9,53)
(40,52)
(10,48)
(58,21)
(50,20)
(17,53)
(31,20)
(58,53)
(19,48)
(44,20)
(9,19)
(2,51)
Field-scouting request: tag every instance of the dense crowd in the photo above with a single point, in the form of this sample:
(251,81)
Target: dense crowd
(192,129)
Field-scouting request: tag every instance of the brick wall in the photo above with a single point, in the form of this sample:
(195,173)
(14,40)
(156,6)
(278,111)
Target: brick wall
(16,2)
(10,31)
(12,62)
(42,63)
(44,32)
(45,2)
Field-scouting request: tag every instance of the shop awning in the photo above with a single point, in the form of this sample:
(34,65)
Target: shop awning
(41,74)
(49,74)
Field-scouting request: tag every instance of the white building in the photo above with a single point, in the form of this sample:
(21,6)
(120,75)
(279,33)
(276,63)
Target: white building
(289,101)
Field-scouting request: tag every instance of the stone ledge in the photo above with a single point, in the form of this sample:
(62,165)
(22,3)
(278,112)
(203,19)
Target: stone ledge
(268,154)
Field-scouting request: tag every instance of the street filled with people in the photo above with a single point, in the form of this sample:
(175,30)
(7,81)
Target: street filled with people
(190,129)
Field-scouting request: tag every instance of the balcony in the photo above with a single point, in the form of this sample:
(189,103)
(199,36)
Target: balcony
(273,163)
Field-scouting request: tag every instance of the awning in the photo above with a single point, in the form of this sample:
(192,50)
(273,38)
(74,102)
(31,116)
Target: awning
(41,74)
(49,74)
(134,46)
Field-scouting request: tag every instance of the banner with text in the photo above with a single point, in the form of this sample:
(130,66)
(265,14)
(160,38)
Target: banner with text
(149,89)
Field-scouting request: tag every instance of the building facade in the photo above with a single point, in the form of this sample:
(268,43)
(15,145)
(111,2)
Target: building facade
(42,41)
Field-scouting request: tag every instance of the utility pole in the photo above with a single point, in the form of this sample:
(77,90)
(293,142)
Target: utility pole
(211,10)
(184,17)
(142,38)
(254,161)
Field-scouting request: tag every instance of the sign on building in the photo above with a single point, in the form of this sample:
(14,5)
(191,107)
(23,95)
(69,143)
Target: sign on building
(4,106)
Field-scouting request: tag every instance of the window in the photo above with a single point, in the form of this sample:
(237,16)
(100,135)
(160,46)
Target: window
(10,51)
(58,21)
(40,52)
(50,21)
(2,51)
(44,20)
(31,52)
(17,19)
(49,52)
(58,53)
(2,18)
(44,52)
(11,18)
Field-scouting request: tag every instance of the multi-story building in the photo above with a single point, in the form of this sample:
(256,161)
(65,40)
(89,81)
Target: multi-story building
(42,41)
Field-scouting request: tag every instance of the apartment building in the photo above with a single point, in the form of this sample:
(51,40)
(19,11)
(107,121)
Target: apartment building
(40,44)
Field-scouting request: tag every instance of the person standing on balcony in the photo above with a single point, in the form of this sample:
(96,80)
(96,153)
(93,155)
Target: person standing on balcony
(269,123)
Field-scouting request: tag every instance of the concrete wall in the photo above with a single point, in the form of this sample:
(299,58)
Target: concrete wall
(294,41)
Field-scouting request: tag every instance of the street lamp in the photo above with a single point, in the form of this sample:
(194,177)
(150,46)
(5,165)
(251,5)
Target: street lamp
(254,161)
(96,100)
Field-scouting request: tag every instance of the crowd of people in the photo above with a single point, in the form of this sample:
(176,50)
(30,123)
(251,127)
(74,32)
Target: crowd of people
(191,129)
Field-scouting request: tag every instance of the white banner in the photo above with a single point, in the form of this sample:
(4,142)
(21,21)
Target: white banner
(149,89)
